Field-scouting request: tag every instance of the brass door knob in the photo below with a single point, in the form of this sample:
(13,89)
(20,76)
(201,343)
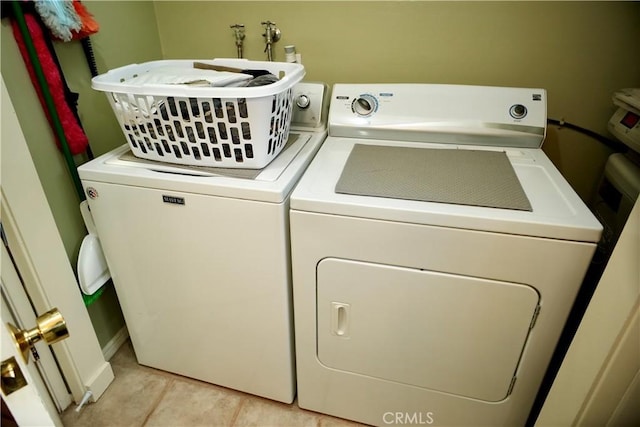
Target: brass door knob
(50,327)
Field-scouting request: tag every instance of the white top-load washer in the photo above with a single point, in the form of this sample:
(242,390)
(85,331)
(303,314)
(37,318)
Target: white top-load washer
(200,257)
(436,253)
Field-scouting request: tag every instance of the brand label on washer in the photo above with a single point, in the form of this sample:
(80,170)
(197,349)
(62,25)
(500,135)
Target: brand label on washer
(173,200)
(92,193)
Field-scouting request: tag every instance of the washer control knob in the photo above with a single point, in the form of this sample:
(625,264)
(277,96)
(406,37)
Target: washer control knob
(518,111)
(303,102)
(364,105)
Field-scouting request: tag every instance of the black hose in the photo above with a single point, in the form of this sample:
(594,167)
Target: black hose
(613,144)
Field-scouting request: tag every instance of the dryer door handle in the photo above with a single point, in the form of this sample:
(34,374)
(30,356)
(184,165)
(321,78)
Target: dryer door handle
(340,319)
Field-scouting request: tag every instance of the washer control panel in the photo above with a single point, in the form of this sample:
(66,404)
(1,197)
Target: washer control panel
(310,106)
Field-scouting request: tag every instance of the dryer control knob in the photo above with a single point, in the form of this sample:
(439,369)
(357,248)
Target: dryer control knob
(518,111)
(303,101)
(364,105)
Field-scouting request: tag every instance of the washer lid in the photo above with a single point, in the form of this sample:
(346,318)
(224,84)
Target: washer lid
(270,184)
(557,211)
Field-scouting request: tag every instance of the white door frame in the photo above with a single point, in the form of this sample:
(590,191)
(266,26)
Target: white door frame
(40,257)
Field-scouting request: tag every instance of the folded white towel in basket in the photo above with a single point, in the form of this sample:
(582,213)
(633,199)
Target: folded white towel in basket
(135,110)
(189,76)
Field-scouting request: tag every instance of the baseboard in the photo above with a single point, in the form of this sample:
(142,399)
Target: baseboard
(100,381)
(115,343)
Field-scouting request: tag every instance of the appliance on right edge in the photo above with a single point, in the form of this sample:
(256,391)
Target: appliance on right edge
(619,185)
(436,253)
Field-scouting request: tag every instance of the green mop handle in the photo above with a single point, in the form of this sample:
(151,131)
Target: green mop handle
(46,93)
(55,118)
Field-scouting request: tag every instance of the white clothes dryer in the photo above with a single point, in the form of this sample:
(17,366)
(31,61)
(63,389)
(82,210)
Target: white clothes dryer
(436,253)
(200,257)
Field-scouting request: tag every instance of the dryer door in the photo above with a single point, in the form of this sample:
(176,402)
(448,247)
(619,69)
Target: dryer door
(450,333)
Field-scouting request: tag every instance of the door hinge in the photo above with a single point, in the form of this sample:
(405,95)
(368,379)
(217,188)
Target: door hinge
(4,237)
(535,317)
(513,383)
(35,354)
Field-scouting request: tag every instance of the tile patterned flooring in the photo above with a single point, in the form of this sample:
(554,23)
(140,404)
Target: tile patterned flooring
(142,396)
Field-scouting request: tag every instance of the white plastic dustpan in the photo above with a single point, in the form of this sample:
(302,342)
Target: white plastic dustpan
(92,266)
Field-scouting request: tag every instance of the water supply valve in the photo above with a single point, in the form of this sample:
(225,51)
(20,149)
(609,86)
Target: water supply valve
(238,32)
(271,35)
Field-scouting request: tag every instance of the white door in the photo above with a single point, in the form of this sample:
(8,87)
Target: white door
(452,333)
(48,277)
(31,404)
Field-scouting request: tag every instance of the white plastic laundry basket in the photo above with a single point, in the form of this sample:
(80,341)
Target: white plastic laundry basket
(231,127)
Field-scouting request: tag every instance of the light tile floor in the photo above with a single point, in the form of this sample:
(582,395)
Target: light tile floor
(142,396)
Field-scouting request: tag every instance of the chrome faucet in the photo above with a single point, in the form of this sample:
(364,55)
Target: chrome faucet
(238,31)
(271,35)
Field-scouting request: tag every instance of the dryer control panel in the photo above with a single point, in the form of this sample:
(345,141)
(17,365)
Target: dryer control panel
(457,114)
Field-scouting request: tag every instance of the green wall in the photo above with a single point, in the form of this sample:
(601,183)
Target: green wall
(580,52)
(128,34)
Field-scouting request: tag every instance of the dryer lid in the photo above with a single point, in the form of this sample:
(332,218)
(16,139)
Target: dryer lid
(557,211)
(463,177)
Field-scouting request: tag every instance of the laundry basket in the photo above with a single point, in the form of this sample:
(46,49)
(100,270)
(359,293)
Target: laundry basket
(231,127)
